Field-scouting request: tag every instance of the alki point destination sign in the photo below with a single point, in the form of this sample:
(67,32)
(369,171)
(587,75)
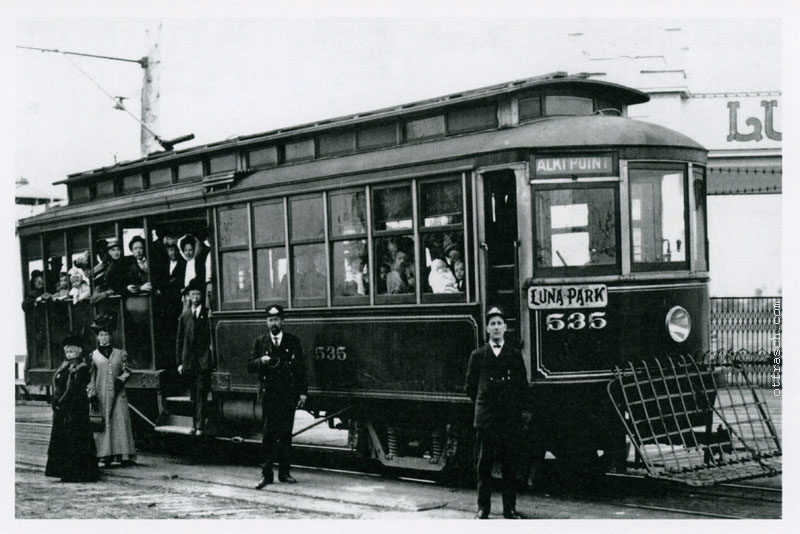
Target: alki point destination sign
(571,166)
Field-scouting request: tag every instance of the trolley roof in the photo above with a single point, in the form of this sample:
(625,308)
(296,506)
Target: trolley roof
(556,80)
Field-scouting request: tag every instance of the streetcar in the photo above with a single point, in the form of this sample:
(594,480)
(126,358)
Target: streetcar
(387,235)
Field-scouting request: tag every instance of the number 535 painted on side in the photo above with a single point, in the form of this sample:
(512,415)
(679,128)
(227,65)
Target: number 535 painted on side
(575,321)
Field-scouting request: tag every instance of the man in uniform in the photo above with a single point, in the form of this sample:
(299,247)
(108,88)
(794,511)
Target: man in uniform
(193,348)
(277,357)
(496,381)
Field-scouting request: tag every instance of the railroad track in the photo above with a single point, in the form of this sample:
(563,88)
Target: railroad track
(630,495)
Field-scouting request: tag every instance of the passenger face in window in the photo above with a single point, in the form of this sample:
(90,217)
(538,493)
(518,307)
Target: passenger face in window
(172,252)
(63,281)
(138,250)
(115,253)
(458,270)
(188,251)
(400,261)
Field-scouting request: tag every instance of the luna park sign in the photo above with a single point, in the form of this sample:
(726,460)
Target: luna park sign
(757,127)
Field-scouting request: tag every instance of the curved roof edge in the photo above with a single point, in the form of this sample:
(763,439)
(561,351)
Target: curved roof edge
(557,80)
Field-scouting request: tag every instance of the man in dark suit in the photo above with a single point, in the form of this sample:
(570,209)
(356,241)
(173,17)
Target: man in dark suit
(496,381)
(194,354)
(277,357)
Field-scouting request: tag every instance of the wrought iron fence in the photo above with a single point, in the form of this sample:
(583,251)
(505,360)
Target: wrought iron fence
(746,333)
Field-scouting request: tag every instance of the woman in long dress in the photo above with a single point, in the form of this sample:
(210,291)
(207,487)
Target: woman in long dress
(71,454)
(107,393)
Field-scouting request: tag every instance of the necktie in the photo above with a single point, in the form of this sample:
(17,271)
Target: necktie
(275,341)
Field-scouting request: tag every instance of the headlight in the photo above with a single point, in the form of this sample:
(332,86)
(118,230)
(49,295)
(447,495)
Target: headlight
(679,324)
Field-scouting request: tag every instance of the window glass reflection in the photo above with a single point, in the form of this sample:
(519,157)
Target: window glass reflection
(350,268)
(307,219)
(236,276)
(441,203)
(575,228)
(271,268)
(309,274)
(393,208)
(658,228)
(348,214)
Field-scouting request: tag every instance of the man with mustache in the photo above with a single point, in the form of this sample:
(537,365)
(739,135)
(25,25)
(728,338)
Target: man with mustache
(277,357)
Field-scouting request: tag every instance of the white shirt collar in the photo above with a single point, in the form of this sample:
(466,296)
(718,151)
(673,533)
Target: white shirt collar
(496,350)
(279,337)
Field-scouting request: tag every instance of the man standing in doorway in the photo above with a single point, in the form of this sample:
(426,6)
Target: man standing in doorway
(193,349)
(277,357)
(496,381)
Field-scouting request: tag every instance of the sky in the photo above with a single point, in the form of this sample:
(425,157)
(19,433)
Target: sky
(227,77)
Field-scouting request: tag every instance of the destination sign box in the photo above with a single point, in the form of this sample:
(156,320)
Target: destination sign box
(567,297)
(551,167)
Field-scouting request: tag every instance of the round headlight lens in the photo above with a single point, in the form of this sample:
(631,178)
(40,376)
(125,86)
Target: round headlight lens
(679,324)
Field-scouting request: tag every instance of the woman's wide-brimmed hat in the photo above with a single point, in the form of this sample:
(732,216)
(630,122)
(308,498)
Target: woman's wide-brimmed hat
(105,322)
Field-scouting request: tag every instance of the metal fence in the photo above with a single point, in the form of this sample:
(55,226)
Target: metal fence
(747,332)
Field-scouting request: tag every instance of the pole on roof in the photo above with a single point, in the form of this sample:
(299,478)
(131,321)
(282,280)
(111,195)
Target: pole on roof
(151,93)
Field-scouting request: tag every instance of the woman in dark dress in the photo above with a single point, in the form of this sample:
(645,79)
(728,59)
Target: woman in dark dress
(71,454)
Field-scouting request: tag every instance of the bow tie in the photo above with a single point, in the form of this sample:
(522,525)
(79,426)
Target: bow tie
(496,346)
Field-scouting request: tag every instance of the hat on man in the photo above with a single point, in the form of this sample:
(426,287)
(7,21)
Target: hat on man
(112,242)
(195,284)
(495,311)
(104,323)
(134,240)
(72,340)
(276,310)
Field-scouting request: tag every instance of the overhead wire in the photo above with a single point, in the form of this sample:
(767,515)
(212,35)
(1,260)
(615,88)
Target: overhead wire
(118,103)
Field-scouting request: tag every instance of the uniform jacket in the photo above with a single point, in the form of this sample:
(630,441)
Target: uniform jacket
(193,345)
(496,384)
(283,379)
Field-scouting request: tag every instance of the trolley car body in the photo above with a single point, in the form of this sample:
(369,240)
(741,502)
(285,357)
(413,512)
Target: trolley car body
(586,226)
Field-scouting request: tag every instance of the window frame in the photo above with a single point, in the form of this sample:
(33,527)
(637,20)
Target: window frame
(405,298)
(268,245)
(355,300)
(309,302)
(223,249)
(435,298)
(611,183)
(666,166)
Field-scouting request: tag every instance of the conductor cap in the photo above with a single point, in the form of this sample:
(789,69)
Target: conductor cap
(495,311)
(276,310)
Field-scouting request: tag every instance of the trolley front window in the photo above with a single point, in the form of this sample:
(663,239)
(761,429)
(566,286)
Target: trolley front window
(576,231)
(658,218)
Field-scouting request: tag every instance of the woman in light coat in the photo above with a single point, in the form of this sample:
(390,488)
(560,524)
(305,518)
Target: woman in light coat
(107,396)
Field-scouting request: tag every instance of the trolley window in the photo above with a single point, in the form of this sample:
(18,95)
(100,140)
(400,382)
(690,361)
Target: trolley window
(309,263)
(270,252)
(699,249)
(576,231)
(394,244)
(442,234)
(658,218)
(568,105)
(350,269)
(234,258)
